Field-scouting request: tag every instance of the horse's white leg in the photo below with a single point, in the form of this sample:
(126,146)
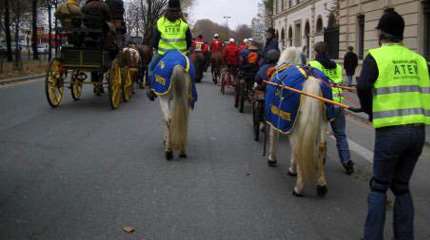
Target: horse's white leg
(165,108)
(292,170)
(273,146)
(322,182)
(300,185)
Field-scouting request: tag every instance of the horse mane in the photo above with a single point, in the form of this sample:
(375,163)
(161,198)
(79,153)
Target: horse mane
(290,55)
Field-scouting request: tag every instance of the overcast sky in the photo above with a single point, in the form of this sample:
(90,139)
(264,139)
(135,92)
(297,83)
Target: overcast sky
(241,11)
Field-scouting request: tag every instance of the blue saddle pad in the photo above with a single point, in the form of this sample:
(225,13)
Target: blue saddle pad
(161,82)
(281,105)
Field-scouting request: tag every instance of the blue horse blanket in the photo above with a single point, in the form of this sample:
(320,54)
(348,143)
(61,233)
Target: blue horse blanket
(160,81)
(281,105)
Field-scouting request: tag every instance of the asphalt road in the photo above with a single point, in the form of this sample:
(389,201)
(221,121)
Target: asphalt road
(84,172)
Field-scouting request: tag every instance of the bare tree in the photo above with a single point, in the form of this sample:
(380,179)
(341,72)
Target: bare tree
(34,8)
(207,28)
(243,31)
(7,30)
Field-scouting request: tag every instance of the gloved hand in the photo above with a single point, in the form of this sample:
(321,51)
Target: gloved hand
(355,110)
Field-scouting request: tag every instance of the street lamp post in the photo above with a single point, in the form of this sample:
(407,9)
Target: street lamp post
(227,18)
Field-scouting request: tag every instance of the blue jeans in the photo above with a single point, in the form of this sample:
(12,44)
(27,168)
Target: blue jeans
(339,130)
(349,80)
(152,65)
(397,150)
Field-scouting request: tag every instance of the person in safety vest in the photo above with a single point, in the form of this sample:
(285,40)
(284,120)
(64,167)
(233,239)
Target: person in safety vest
(334,72)
(394,90)
(171,32)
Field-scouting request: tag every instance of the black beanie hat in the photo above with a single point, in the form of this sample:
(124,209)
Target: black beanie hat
(392,23)
(174,4)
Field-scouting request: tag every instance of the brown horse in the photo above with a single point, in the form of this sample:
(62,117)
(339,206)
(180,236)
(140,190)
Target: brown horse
(216,65)
(146,53)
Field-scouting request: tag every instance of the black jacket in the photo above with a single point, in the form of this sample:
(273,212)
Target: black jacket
(350,63)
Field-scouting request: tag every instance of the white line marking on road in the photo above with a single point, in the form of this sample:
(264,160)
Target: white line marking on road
(358,149)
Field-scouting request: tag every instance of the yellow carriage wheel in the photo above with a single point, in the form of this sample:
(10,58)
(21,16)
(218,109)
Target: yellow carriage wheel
(115,85)
(76,86)
(54,85)
(127,86)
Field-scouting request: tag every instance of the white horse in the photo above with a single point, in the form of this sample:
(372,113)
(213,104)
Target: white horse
(175,107)
(308,137)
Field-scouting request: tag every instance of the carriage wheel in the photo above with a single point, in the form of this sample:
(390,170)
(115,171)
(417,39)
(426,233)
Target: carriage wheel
(256,121)
(223,80)
(76,86)
(54,85)
(237,93)
(115,85)
(127,85)
(242,96)
(142,83)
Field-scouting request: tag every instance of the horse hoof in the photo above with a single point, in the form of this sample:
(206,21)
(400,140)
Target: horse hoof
(183,155)
(322,191)
(291,173)
(169,155)
(296,194)
(272,163)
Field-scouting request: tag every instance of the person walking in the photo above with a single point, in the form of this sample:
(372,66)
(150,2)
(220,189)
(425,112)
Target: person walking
(394,90)
(271,41)
(171,32)
(334,72)
(350,63)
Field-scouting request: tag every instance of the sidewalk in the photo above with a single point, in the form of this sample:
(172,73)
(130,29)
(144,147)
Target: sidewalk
(20,79)
(351,99)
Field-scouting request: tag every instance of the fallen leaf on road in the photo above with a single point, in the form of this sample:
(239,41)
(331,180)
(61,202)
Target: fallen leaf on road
(128,229)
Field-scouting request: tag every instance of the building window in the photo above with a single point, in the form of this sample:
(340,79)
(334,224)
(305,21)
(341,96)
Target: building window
(298,2)
(319,27)
(290,3)
(360,36)
(282,4)
(426,7)
(298,35)
(290,37)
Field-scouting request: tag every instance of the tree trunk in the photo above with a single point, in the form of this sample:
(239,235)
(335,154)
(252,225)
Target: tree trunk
(56,29)
(18,63)
(34,28)
(7,30)
(49,30)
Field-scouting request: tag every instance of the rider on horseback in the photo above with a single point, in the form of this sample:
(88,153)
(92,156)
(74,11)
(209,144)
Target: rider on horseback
(216,45)
(231,55)
(171,33)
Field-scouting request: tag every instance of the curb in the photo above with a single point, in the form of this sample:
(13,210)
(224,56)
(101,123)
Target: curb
(20,79)
(363,119)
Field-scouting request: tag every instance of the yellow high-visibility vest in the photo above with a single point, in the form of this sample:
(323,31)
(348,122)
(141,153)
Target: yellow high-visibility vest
(173,35)
(335,75)
(402,91)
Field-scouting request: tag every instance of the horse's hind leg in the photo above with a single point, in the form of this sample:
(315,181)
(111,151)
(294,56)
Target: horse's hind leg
(300,185)
(322,182)
(273,147)
(167,128)
(292,170)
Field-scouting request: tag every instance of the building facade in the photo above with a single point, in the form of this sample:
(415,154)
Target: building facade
(359,18)
(301,23)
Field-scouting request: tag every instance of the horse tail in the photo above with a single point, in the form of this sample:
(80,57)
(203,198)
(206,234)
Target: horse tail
(308,131)
(181,87)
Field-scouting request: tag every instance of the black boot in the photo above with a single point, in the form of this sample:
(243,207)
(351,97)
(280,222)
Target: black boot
(349,167)
(151,95)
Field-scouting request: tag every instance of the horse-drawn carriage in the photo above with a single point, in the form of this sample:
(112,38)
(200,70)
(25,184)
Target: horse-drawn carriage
(88,53)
